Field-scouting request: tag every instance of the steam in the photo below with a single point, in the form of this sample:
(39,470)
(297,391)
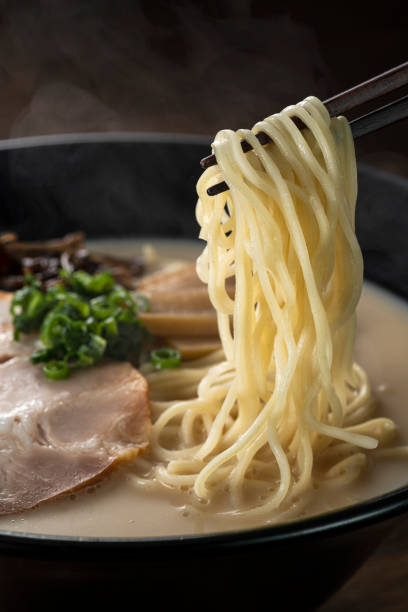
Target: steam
(135,65)
(73,67)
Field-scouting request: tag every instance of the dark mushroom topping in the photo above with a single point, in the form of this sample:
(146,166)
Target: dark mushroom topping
(44,260)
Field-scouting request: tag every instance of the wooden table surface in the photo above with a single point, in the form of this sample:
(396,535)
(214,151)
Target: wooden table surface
(381,584)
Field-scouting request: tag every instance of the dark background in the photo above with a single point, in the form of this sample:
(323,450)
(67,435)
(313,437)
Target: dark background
(189,66)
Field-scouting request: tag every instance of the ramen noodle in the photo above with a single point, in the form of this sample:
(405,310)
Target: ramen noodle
(285,406)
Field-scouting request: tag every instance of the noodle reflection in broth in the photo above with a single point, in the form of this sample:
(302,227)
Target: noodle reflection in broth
(283,407)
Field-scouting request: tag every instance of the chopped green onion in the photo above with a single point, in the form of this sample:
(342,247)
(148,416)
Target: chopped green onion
(85,283)
(165,358)
(56,370)
(121,297)
(109,326)
(43,355)
(80,321)
(27,308)
(54,328)
(101,307)
(91,353)
(82,307)
(128,316)
(96,346)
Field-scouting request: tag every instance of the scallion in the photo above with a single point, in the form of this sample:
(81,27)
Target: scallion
(81,321)
(165,358)
(56,370)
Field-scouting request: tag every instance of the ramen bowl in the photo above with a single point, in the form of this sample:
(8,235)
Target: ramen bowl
(142,186)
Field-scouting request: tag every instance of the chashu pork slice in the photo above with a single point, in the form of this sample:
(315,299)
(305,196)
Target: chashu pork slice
(56,436)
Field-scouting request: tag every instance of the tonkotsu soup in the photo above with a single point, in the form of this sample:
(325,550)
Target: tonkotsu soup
(117,506)
(298,405)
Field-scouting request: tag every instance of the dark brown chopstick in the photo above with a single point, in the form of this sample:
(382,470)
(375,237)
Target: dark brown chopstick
(374,88)
(381,117)
(370,90)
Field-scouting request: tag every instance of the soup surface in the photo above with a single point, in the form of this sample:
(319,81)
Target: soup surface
(116,507)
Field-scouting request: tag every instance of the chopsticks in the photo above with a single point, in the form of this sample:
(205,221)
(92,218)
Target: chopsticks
(368,91)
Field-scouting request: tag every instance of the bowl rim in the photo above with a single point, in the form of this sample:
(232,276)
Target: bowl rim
(68,138)
(352,517)
(328,524)
(123,137)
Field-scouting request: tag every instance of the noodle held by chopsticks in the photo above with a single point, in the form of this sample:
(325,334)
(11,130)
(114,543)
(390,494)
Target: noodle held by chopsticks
(286,389)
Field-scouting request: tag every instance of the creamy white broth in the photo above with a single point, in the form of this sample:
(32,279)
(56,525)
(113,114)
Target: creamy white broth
(116,507)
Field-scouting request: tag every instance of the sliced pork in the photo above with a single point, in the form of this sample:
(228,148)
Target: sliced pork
(181,313)
(56,436)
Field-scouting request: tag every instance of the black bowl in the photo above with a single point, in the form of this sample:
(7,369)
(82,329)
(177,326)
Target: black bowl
(122,185)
